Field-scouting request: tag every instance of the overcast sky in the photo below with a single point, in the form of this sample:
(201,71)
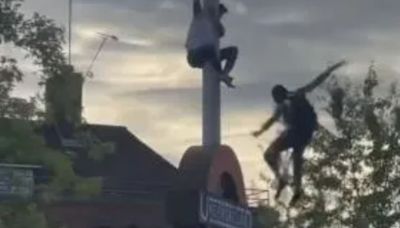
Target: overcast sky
(144,83)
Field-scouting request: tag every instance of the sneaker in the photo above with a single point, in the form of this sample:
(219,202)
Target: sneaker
(228,81)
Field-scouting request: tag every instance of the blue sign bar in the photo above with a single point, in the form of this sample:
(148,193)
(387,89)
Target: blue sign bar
(218,212)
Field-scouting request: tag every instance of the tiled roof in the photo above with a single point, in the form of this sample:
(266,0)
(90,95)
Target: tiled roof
(133,168)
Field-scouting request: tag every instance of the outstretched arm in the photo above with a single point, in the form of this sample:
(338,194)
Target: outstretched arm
(196,7)
(267,124)
(321,78)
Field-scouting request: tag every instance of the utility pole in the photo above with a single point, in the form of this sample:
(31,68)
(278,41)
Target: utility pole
(211,94)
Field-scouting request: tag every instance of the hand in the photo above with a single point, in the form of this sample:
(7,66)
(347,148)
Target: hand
(336,66)
(256,133)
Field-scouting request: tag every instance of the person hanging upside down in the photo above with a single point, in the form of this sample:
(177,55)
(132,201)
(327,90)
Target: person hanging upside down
(201,44)
(300,122)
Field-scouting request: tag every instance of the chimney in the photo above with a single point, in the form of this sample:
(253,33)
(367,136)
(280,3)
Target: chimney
(63,97)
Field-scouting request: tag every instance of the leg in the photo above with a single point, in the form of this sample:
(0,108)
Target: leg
(193,59)
(301,139)
(216,62)
(272,154)
(199,56)
(298,161)
(272,157)
(230,55)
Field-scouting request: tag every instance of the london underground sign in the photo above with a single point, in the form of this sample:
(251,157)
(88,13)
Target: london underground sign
(218,212)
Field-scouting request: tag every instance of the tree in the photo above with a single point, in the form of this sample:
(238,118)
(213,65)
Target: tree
(351,176)
(42,39)
(38,35)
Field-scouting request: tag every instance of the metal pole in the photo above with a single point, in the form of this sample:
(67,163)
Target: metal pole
(69,31)
(105,38)
(211,97)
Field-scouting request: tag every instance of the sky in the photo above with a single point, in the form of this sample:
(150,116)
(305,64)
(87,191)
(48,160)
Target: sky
(144,83)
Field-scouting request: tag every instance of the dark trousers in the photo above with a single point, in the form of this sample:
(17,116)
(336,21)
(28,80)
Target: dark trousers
(197,58)
(296,139)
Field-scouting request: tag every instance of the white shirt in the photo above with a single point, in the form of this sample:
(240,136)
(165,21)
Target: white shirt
(201,32)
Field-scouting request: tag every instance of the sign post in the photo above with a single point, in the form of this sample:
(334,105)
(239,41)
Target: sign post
(210,190)
(211,95)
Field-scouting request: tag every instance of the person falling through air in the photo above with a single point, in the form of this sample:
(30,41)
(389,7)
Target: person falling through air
(205,31)
(300,122)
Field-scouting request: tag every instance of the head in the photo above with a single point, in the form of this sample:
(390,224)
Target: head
(279,93)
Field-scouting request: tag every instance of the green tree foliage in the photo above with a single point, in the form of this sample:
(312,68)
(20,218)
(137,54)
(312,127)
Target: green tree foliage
(352,176)
(21,215)
(38,35)
(266,217)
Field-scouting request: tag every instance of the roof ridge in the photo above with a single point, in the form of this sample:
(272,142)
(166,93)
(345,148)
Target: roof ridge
(104,125)
(153,152)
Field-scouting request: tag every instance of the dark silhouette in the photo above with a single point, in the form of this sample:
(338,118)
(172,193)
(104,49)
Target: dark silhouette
(230,53)
(201,45)
(300,120)
(229,190)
